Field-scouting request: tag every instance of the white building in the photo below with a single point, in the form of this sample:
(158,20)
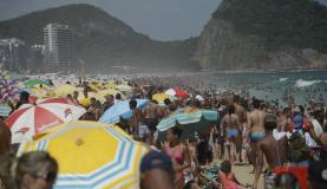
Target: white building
(58,44)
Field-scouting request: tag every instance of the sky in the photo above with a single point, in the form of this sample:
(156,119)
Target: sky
(163,20)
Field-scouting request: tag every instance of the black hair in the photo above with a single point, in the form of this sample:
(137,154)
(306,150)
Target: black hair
(167,101)
(225,167)
(270,122)
(177,131)
(24,96)
(285,110)
(236,98)
(256,103)
(301,109)
(133,104)
(118,96)
(231,109)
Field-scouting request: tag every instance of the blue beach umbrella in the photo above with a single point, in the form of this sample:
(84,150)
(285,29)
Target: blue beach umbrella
(120,109)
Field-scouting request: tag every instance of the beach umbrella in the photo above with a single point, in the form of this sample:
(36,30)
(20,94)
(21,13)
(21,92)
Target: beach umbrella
(34,82)
(4,110)
(123,88)
(31,119)
(170,92)
(160,97)
(190,120)
(91,155)
(64,90)
(120,109)
(106,92)
(177,92)
(39,92)
(181,93)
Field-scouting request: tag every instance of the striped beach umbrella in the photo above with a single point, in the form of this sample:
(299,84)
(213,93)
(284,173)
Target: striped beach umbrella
(120,109)
(190,120)
(91,155)
(31,119)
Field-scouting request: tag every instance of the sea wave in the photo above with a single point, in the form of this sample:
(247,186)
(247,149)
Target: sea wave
(283,79)
(300,83)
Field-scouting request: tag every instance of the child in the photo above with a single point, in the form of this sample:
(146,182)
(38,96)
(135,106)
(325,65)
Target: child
(227,178)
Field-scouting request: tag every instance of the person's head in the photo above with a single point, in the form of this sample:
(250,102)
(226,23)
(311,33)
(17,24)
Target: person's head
(118,96)
(270,122)
(167,102)
(236,99)
(69,96)
(133,104)
(256,103)
(24,97)
(89,116)
(286,112)
(36,170)
(75,94)
(231,109)
(109,98)
(5,138)
(225,167)
(173,134)
(93,101)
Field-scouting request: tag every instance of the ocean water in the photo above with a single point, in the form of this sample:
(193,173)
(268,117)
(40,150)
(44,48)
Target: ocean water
(277,86)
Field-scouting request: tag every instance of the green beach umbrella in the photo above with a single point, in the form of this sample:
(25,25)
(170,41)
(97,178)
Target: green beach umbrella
(190,120)
(33,82)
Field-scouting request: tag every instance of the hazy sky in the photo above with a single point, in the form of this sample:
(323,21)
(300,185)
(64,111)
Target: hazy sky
(159,19)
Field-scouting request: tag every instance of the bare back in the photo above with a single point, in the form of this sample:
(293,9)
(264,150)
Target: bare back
(231,121)
(256,120)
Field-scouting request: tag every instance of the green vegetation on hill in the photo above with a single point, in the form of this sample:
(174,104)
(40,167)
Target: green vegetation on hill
(101,40)
(290,23)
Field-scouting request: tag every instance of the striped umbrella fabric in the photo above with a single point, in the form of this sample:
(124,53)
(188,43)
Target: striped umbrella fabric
(187,116)
(31,119)
(120,109)
(190,120)
(91,155)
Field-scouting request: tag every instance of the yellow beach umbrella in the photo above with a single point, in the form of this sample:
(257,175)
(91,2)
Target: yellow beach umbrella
(160,97)
(64,90)
(39,92)
(91,155)
(111,84)
(124,88)
(106,92)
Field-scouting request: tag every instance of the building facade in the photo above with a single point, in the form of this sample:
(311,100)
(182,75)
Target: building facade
(58,41)
(13,54)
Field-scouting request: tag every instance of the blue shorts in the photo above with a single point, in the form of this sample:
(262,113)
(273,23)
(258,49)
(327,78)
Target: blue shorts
(232,133)
(256,136)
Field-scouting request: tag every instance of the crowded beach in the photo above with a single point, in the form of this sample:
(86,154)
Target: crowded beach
(155,132)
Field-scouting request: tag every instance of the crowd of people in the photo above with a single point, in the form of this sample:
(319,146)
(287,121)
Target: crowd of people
(248,131)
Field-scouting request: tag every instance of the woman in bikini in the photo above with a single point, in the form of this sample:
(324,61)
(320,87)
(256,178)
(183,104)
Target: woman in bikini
(178,152)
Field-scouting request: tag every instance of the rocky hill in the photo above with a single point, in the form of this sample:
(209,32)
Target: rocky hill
(270,34)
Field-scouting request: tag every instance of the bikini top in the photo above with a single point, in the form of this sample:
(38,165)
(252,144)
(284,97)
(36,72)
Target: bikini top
(176,153)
